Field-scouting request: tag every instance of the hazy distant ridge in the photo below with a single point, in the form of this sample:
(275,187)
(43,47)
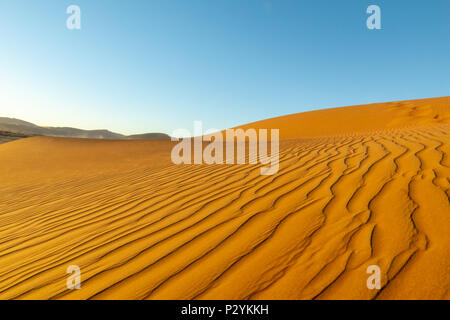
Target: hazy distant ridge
(28,128)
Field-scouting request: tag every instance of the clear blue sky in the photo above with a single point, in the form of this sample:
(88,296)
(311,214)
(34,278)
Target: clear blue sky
(157,65)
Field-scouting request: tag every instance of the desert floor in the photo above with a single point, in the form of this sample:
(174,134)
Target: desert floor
(357,186)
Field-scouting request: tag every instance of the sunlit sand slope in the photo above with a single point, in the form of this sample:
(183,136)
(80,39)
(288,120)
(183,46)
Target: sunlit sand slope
(369,188)
(373,117)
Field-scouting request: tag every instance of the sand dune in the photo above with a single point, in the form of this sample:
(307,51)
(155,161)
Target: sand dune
(357,186)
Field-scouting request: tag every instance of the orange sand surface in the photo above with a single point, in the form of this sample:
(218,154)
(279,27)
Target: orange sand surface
(357,186)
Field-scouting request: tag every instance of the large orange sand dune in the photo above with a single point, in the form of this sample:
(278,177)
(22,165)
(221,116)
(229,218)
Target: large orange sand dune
(357,186)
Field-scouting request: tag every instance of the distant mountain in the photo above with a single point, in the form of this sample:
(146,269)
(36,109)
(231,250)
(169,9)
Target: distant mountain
(6,136)
(148,136)
(20,127)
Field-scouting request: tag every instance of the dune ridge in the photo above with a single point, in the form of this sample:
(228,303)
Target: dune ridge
(359,118)
(357,186)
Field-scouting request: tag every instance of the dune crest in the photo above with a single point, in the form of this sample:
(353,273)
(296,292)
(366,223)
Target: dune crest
(357,186)
(359,119)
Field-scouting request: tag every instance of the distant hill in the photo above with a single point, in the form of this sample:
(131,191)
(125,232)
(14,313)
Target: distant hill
(148,136)
(16,127)
(6,136)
